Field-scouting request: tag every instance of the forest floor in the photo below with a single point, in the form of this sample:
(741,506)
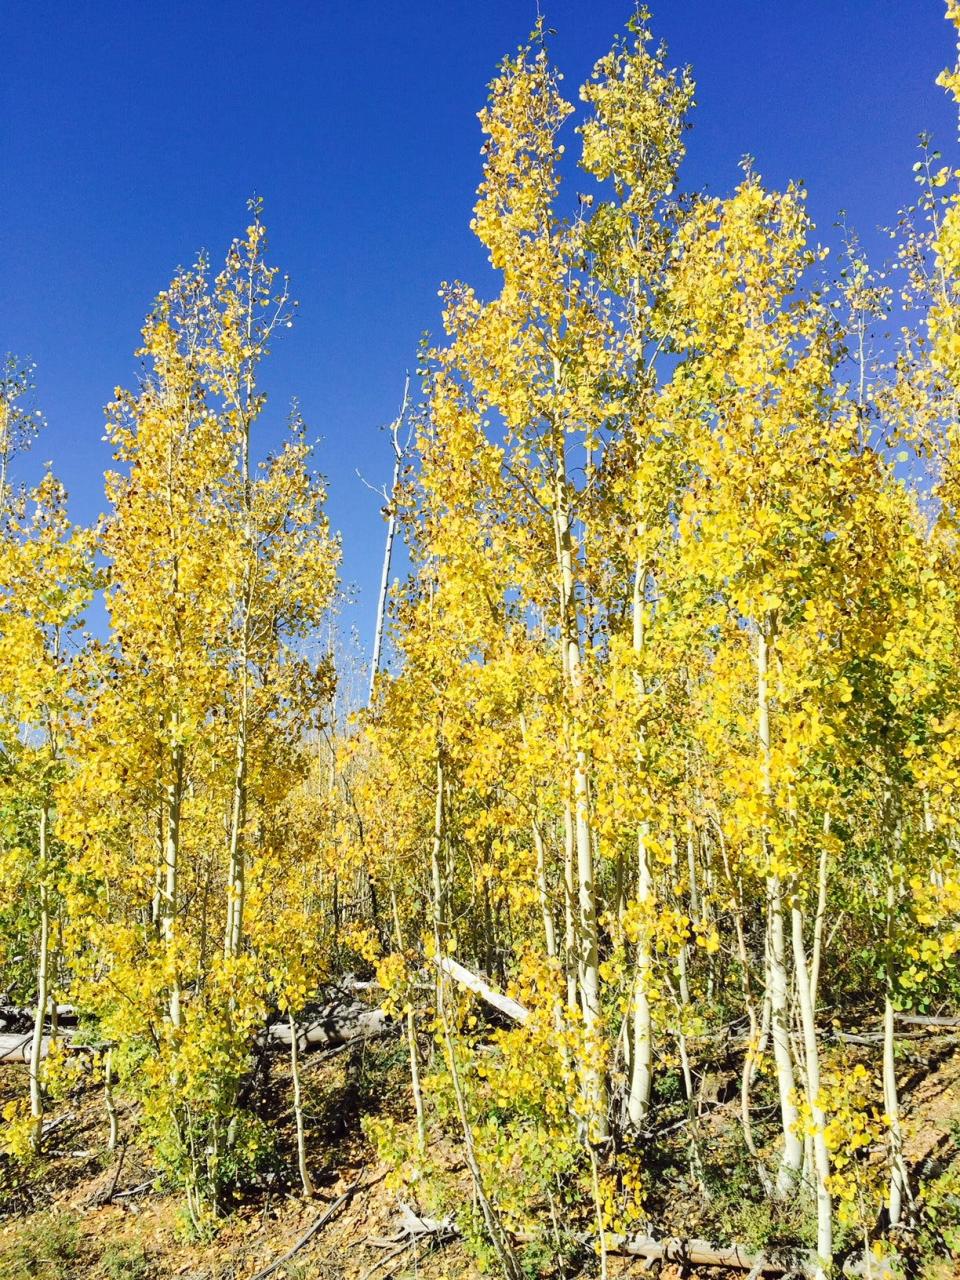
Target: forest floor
(83,1211)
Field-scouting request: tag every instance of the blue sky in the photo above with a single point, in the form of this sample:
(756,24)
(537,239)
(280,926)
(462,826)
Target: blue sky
(131,135)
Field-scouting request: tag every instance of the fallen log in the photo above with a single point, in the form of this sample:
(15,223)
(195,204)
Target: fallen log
(703,1254)
(473,982)
(16,1018)
(333,1025)
(517,1012)
(926,1020)
(683,1252)
(16,1048)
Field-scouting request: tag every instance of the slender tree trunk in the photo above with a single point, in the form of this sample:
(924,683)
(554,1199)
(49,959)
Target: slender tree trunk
(595,1085)
(174,804)
(236,878)
(692,872)
(776,965)
(821,1156)
(495,1232)
(412,1044)
(641,1064)
(436,851)
(571,957)
(822,880)
(236,875)
(899,1184)
(43,981)
(546,913)
(756,1040)
(156,906)
(388,544)
(305,1179)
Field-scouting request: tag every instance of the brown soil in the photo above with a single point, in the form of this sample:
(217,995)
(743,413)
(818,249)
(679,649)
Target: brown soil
(68,1216)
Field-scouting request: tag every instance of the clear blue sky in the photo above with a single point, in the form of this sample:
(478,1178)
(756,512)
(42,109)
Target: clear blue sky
(131,135)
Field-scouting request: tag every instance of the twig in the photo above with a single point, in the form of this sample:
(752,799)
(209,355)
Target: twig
(382,1262)
(57,1121)
(135,1191)
(314,1227)
(116,1174)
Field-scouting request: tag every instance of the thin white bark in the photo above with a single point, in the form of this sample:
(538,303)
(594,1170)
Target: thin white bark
(412,1044)
(305,1179)
(821,1156)
(43,977)
(173,804)
(776,969)
(899,1185)
(641,1054)
(391,509)
(822,880)
(588,950)
(513,1009)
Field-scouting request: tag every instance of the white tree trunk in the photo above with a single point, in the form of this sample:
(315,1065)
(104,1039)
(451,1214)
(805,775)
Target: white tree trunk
(588,952)
(899,1186)
(43,979)
(305,1179)
(641,1056)
(776,966)
(174,801)
(398,451)
(821,1156)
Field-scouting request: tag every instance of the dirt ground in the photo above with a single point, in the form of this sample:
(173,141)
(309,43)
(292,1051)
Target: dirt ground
(83,1211)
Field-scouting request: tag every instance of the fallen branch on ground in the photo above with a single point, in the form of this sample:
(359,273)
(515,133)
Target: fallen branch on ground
(138,1190)
(696,1253)
(315,1226)
(16,1047)
(414,1228)
(684,1252)
(926,1020)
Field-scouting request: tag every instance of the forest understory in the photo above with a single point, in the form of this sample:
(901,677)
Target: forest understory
(87,1210)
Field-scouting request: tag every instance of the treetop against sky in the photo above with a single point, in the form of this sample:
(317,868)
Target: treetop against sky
(133,135)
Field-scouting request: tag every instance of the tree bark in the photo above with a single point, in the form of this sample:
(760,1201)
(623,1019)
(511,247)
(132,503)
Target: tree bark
(588,948)
(388,544)
(305,1179)
(812,1058)
(776,970)
(641,1048)
(513,1009)
(174,802)
(43,976)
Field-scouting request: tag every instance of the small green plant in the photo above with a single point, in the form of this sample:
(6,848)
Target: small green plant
(124,1262)
(49,1248)
(940,1215)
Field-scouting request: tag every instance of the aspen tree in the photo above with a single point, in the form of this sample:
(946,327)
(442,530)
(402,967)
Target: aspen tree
(220,573)
(767,364)
(46,583)
(634,137)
